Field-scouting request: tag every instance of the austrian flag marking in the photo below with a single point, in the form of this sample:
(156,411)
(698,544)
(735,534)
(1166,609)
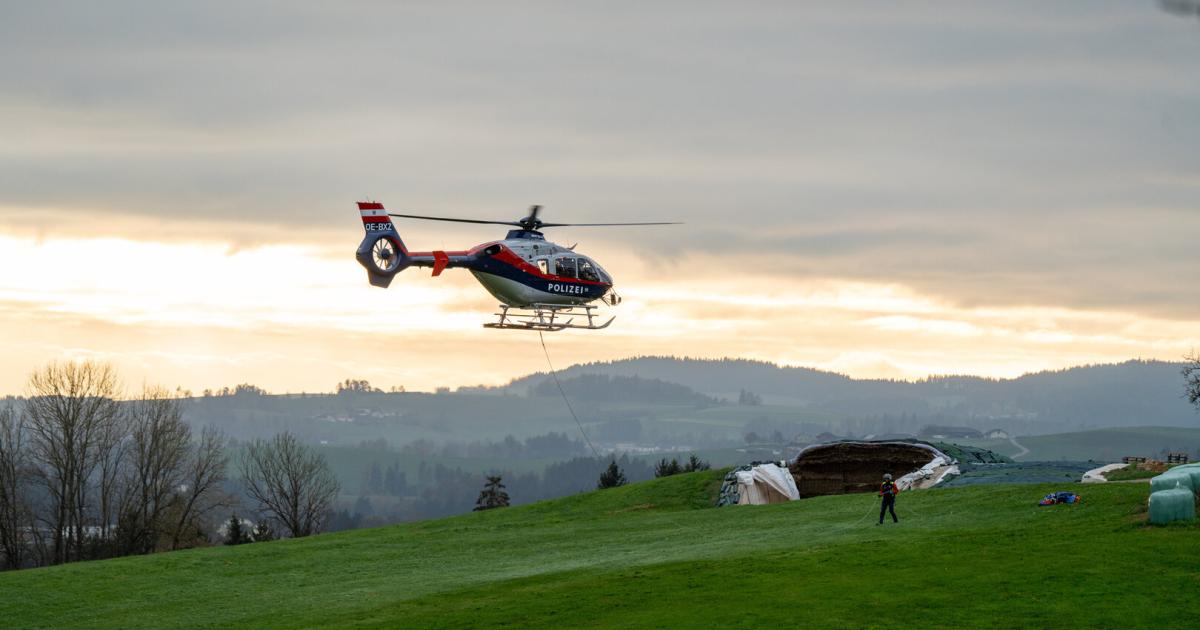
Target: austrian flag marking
(374,217)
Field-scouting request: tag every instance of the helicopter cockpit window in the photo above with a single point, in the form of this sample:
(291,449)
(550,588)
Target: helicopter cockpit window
(543,266)
(586,271)
(565,267)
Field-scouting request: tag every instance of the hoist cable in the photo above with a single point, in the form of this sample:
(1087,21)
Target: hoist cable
(566,400)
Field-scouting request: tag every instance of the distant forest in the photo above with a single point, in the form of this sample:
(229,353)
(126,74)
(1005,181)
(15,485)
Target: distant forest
(402,456)
(663,402)
(386,496)
(1133,393)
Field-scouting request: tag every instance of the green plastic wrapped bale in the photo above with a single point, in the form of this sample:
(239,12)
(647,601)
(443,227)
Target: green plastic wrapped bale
(1172,505)
(1191,470)
(1172,478)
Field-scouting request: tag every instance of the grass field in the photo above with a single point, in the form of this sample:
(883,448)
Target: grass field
(1102,445)
(1110,445)
(1131,473)
(656,554)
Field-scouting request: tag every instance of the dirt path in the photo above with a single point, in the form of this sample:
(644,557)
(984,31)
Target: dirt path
(1018,445)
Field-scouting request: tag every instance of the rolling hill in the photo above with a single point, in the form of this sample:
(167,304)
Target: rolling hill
(1126,394)
(670,402)
(656,554)
(1105,445)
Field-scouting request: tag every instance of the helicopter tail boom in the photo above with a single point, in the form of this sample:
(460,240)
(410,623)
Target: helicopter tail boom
(381,251)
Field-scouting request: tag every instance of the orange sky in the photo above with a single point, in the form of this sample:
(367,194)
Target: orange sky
(301,317)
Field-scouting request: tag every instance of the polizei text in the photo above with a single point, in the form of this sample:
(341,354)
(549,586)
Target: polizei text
(555,287)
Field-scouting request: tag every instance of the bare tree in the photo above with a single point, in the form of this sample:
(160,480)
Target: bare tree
(16,514)
(158,446)
(111,447)
(69,409)
(205,470)
(1191,378)
(290,481)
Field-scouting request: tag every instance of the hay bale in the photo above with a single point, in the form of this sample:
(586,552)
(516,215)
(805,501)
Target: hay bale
(850,466)
(1166,506)
(1172,478)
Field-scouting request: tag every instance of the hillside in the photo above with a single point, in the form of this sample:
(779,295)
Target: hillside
(669,403)
(1127,394)
(1106,445)
(655,554)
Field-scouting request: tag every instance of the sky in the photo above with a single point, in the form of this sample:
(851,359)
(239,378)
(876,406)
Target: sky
(952,188)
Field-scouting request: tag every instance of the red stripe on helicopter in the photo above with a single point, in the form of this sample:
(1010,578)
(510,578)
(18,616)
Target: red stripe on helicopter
(434,254)
(506,255)
(370,205)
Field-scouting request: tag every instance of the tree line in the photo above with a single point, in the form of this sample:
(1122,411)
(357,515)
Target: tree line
(88,473)
(443,490)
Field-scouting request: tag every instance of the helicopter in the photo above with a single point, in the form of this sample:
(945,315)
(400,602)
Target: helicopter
(541,286)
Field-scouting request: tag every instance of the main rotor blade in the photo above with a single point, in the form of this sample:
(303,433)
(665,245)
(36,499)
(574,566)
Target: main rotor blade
(417,216)
(546,225)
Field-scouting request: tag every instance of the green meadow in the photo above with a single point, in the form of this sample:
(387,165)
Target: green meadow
(657,554)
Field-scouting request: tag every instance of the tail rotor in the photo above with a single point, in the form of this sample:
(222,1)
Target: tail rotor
(381,251)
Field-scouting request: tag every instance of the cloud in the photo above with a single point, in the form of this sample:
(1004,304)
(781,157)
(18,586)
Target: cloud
(1010,156)
(290,318)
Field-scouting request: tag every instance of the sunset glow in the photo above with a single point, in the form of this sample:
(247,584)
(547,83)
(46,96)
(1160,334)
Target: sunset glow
(290,317)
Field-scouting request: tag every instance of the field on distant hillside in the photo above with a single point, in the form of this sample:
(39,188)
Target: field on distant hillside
(655,554)
(1102,445)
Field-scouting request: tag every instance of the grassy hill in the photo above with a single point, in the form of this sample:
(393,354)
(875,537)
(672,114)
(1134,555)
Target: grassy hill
(1106,445)
(1133,393)
(656,554)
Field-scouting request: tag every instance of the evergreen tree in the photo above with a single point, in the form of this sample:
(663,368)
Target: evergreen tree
(375,479)
(665,468)
(492,496)
(394,481)
(611,477)
(695,464)
(233,532)
(746,397)
(263,532)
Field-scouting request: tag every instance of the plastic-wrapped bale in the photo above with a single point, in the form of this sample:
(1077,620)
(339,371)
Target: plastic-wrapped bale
(1172,478)
(729,487)
(1177,504)
(848,466)
(1192,470)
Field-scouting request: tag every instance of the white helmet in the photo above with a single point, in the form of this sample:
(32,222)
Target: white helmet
(887,476)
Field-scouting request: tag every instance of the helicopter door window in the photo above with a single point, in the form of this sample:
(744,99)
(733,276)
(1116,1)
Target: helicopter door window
(543,266)
(565,267)
(586,271)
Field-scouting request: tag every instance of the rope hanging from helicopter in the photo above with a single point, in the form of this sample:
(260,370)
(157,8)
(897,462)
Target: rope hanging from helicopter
(566,400)
(669,517)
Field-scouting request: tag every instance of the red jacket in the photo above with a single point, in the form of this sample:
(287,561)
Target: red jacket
(888,487)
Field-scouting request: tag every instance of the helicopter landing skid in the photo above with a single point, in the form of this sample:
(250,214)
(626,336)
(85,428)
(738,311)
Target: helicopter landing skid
(547,317)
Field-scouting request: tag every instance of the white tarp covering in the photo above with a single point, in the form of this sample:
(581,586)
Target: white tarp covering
(766,483)
(1096,475)
(928,475)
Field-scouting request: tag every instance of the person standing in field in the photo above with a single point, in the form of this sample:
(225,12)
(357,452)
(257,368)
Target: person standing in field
(888,491)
